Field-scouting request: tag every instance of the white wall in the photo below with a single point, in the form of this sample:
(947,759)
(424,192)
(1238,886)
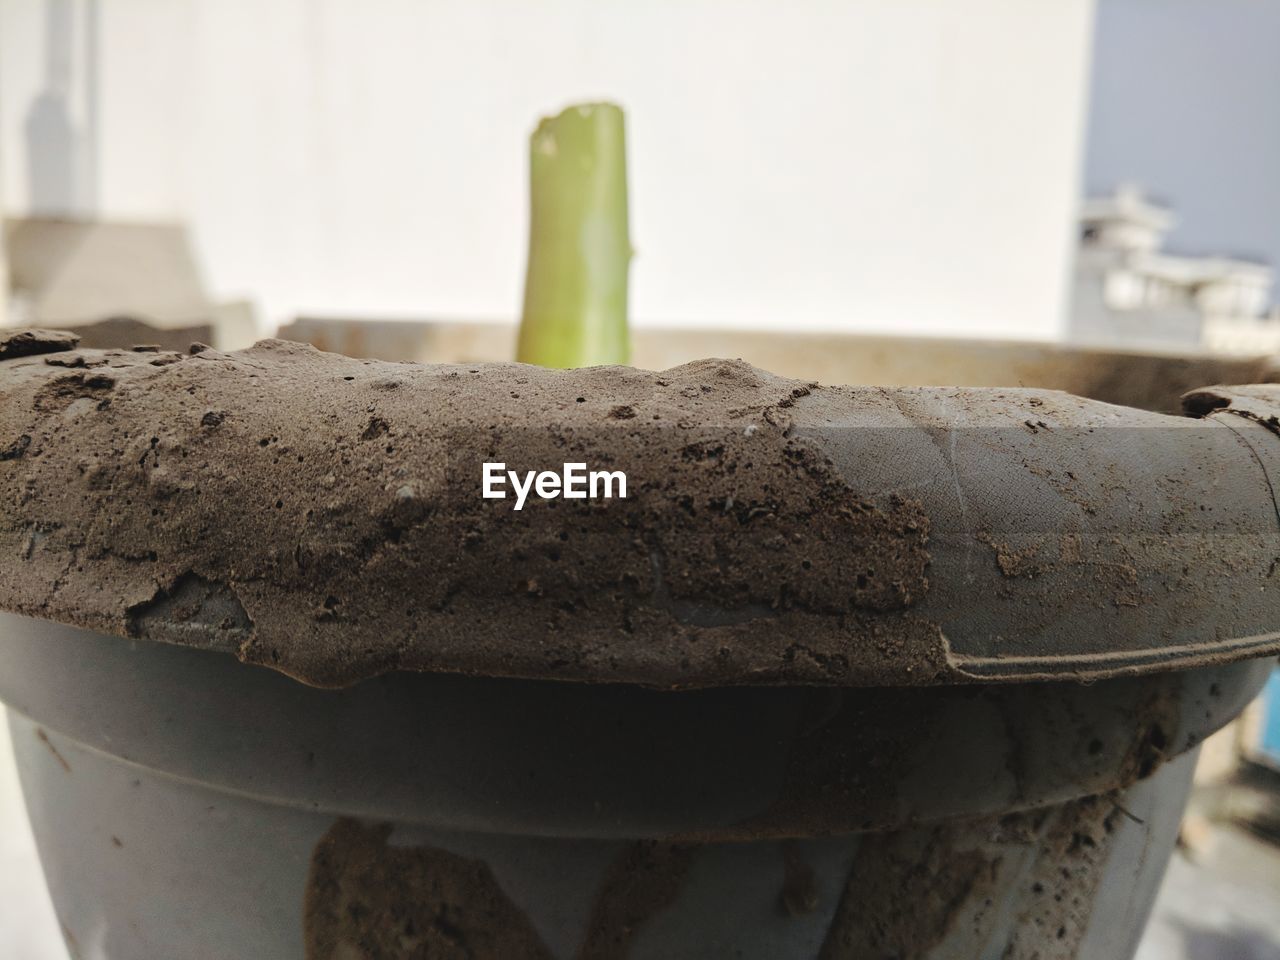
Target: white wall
(904,164)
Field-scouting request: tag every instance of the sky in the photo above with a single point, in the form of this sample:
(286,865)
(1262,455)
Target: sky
(1185,100)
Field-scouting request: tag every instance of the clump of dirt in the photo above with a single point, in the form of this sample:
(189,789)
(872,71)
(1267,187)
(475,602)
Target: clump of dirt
(30,343)
(902,897)
(366,898)
(799,894)
(643,882)
(910,890)
(322,515)
(1015,562)
(1057,898)
(773,531)
(1023,883)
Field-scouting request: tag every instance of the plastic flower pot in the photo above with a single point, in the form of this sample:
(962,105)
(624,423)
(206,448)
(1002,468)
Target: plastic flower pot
(848,673)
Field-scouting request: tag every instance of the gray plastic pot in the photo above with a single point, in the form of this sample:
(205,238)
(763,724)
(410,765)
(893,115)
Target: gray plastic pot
(188,806)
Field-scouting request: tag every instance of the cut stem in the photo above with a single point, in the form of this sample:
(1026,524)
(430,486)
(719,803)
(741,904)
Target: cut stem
(575,293)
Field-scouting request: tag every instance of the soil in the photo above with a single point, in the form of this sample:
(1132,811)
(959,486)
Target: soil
(321,515)
(29,343)
(368,899)
(961,874)
(644,881)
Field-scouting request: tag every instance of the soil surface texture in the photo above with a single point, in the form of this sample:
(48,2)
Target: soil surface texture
(323,516)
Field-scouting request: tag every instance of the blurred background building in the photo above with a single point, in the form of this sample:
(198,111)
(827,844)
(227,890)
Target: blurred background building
(1130,292)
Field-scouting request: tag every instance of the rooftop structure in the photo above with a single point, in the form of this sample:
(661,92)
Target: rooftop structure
(1128,292)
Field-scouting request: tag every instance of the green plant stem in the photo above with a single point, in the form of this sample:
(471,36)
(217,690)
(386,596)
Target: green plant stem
(575,294)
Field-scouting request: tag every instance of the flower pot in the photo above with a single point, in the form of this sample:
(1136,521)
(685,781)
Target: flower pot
(186,805)
(848,672)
